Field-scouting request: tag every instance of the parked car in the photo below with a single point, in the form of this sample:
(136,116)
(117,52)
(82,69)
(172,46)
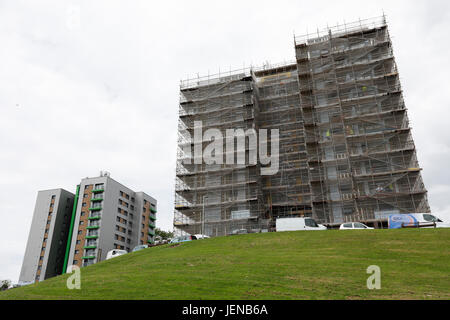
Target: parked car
(298,224)
(140,247)
(354,226)
(115,253)
(181,239)
(199,236)
(238,231)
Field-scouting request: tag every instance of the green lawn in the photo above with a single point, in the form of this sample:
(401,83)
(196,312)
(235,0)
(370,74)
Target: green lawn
(415,264)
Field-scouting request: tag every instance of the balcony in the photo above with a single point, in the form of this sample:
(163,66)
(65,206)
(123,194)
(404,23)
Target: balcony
(88,257)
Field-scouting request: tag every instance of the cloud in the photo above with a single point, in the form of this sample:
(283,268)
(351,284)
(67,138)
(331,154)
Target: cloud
(103,95)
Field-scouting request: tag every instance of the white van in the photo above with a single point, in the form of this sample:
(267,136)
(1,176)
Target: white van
(425,218)
(298,224)
(415,220)
(115,253)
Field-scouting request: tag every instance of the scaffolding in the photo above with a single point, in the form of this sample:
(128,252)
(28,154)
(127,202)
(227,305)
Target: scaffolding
(345,147)
(361,154)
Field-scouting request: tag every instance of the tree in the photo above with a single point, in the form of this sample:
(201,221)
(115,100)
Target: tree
(4,285)
(163,234)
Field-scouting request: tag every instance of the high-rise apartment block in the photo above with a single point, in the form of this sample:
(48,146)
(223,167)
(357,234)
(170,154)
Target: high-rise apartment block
(79,229)
(47,240)
(345,147)
(109,216)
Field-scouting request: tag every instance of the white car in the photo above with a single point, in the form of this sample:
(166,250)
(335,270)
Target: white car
(115,253)
(199,236)
(354,226)
(140,247)
(298,224)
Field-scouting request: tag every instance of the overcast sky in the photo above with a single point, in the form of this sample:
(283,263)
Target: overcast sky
(93,85)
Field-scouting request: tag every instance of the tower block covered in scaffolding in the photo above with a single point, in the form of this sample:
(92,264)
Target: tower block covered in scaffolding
(361,154)
(346,153)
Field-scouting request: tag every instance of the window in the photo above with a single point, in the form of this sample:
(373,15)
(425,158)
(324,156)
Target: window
(360,225)
(142,234)
(80,232)
(86,186)
(77,251)
(75,262)
(144,209)
(85,195)
(311,223)
(81,223)
(84,204)
(429,218)
(131,207)
(118,219)
(143,226)
(117,228)
(348,225)
(83,213)
(53,197)
(78,242)
(119,210)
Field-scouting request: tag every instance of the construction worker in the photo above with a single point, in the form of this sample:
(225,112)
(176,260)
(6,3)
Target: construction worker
(391,188)
(328,134)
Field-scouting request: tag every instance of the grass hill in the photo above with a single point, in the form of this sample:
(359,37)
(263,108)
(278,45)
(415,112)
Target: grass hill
(415,264)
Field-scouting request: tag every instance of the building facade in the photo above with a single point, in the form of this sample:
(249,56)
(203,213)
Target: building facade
(346,151)
(109,216)
(47,240)
(79,229)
